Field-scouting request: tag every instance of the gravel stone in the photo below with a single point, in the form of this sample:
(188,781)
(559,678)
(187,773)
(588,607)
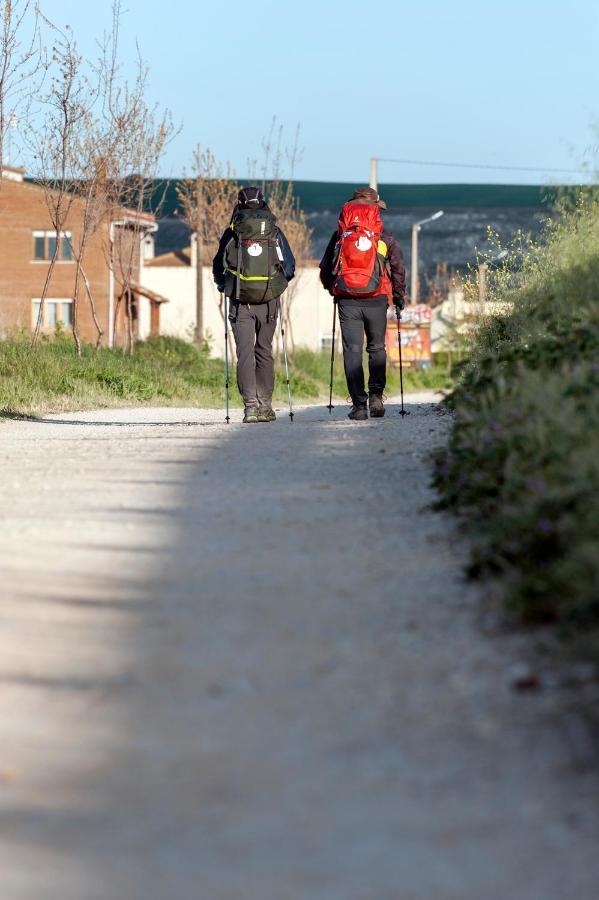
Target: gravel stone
(244,664)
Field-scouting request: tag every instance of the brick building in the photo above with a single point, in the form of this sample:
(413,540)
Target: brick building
(115,255)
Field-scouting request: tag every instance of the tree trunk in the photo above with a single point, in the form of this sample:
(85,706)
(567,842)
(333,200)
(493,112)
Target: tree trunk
(76,337)
(92,304)
(40,315)
(129,296)
(115,319)
(199,291)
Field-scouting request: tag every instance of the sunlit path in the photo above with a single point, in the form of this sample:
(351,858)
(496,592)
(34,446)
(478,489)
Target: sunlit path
(240,663)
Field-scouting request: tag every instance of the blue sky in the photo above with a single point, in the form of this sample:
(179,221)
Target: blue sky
(510,83)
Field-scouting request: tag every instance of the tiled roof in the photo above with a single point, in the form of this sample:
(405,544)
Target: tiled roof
(176,258)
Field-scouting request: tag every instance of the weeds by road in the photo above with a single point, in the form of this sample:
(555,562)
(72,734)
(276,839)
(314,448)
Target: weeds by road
(162,372)
(523,460)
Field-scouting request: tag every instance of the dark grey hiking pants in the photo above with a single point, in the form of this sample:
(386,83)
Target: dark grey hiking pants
(254,329)
(355,320)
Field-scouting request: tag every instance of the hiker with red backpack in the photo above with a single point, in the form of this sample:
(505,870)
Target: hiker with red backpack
(252,267)
(363,269)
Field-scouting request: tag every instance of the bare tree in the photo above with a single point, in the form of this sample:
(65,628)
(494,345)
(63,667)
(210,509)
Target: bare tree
(286,207)
(54,140)
(97,145)
(207,196)
(140,150)
(21,60)
(209,193)
(94,193)
(132,138)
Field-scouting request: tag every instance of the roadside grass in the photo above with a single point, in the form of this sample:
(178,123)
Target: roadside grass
(163,371)
(52,378)
(522,466)
(316,368)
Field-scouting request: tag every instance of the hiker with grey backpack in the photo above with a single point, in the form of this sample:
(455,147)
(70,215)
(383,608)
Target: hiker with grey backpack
(252,267)
(363,269)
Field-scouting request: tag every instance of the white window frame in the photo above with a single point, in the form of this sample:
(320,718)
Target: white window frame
(65,235)
(63,301)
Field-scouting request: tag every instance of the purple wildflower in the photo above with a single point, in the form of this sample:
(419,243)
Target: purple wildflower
(535,484)
(545,526)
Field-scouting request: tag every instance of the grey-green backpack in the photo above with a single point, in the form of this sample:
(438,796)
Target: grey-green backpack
(253,258)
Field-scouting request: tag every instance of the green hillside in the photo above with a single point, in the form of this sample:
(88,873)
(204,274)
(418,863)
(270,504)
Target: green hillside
(320,195)
(315,195)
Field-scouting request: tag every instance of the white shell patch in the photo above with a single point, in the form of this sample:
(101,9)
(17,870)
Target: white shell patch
(255,250)
(363,243)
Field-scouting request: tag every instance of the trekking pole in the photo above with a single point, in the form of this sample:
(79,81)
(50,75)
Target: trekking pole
(227,418)
(284,343)
(402,411)
(330,406)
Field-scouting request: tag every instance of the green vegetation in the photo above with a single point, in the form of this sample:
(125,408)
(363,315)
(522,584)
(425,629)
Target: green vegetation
(522,465)
(311,371)
(52,378)
(162,372)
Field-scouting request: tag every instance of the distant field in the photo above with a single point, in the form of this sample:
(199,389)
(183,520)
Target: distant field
(322,195)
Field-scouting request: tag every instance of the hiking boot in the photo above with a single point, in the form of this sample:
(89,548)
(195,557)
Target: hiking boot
(266,414)
(377,408)
(358,413)
(250,414)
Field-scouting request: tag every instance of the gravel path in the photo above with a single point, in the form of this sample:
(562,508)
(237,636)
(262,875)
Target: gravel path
(241,664)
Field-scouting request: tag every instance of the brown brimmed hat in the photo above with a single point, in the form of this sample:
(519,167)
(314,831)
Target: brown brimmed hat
(368,195)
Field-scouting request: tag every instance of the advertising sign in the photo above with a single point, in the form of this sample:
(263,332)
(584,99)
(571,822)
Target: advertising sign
(415,337)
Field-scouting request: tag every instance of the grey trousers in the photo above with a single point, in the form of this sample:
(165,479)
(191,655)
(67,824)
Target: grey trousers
(254,329)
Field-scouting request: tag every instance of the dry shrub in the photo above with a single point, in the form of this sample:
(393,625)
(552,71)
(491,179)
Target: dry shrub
(208,195)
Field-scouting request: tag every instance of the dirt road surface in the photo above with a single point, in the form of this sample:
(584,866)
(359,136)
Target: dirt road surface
(240,663)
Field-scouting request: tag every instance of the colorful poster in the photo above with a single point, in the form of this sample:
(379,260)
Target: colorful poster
(415,337)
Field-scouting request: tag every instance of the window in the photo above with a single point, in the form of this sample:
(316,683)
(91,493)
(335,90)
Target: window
(44,246)
(40,246)
(66,314)
(56,312)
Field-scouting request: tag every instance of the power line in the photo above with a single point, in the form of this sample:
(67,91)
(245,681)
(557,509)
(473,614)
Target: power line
(454,165)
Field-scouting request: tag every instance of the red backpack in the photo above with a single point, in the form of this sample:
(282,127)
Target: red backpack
(360,265)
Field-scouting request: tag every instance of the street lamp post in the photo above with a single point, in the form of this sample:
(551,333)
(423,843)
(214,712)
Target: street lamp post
(483,269)
(374,173)
(414,274)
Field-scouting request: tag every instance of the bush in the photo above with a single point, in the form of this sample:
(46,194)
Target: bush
(522,465)
(51,377)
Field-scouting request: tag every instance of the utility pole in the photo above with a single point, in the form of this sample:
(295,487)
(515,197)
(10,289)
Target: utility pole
(199,335)
(414,261)
(414,266)
(374,173)
(482,286)
(483,279)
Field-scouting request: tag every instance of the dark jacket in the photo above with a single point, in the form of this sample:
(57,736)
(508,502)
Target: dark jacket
(218,263)
(395,266)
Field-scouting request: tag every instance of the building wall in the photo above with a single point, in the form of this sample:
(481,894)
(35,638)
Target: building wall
(311,306)
(23,211)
